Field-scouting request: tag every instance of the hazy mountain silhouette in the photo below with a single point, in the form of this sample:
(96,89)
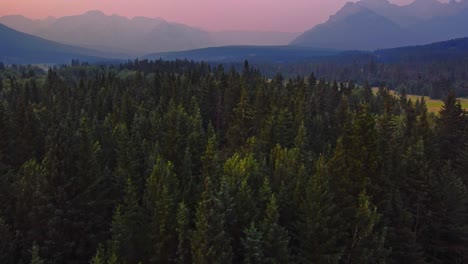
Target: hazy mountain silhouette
(456,49)
(18,47)
(377,24)
(258,38)
(438,51)
(136,36)
(254,54)
(114,33)
(355,27)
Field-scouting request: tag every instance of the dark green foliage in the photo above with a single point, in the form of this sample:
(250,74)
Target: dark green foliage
(175,162)
(447,234)
(252,245)
(35,256)
(128,236)
(183,234)
(320,225)
(6,237)
(451,129)
(275,237)
(210,241)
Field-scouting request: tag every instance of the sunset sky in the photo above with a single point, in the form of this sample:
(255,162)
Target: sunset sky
(275,15)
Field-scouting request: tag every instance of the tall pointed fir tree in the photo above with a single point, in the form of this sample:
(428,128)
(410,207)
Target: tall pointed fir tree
(320,225)
(275,237)
(161,199)
(211,242)
(183,234)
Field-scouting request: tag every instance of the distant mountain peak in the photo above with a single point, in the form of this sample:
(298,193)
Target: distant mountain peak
(370,24)
(94,13)
(384,2)
(375,4)
(426,2)
(15,16)
(349,9)
(147,19)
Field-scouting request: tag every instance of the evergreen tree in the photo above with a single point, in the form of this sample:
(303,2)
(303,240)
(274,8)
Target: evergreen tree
(160,197)
(320,227)
(253,252)
(183,234)
(451,126)
(447,234)
(35,255)
(128,241)
(210,242)
(6,245)
(275,237)
(242,118)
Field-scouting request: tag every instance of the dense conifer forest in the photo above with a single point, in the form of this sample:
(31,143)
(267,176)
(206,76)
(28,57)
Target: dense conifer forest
(434,78)
(182,162)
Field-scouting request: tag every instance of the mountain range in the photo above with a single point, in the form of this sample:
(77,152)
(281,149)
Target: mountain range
(379,24)
(17,47)
(455,49)
(256,54)
(364,25)
(137,36)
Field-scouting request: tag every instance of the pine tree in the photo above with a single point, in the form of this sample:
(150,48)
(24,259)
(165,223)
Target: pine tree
(32,205)
(451,125)
(240,173)
(353,167)
(5,141)
(6,242)
(128,241)
(366,244)
(447,233)
(287,172)
(320,227)
(183,234)
(241,125)
(211,163)
(35,255)
(99,257)
(275,237)
(253,245)
(161,197)
(210,242)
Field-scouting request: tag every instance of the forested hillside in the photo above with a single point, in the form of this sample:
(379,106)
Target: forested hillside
(180,162)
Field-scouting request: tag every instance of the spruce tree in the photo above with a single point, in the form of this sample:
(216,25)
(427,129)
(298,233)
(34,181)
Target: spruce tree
(275,237)
(183,234)
(320,226)
(6,242)
(447,229)
(252,245)
(211,242)
(451,126)
(128,237)
(35,255)
(160,201)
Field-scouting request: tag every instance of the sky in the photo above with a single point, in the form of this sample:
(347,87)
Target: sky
(213,15)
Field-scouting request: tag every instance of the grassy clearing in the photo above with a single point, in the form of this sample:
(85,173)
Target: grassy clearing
(433,105)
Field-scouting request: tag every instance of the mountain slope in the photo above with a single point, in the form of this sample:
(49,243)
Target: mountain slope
(443,28)
(354,27)
(18,47)
(252,53)
(256,38)
(378,24)
(137,36)
(439,51)
(116,34)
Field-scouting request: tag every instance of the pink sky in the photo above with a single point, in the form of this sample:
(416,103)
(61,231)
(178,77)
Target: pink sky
(275,15)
